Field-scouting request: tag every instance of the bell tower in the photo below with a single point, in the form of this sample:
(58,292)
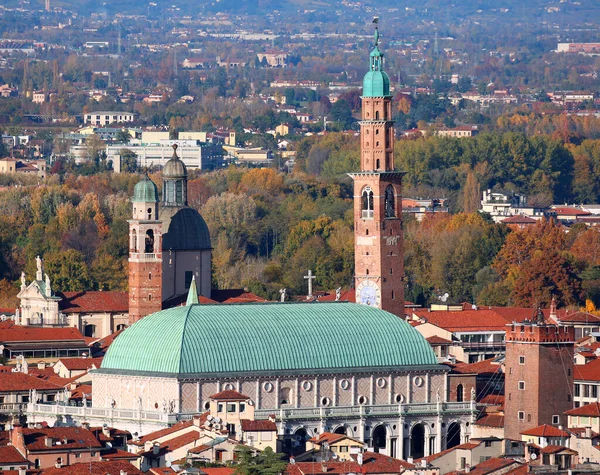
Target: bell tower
(378,247)
(145,252)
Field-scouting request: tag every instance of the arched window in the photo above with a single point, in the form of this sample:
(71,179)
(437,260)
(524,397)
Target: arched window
(390,202)
(459,393)
(285,396)
(149,246)
(367,203)
(376,115)
(377,164)
(149,213)
(134,245)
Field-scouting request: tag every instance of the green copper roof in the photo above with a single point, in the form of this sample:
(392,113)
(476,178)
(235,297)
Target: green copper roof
(145,191)
(376,82)
(271,337)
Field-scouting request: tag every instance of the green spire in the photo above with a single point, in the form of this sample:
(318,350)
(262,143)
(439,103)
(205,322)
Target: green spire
(192,297)
(376,82)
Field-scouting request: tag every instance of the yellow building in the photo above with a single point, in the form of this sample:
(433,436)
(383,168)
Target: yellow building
(340,445)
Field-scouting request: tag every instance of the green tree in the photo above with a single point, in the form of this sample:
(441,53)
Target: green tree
(129,162)
(68,270)
(266,462)
(341,112)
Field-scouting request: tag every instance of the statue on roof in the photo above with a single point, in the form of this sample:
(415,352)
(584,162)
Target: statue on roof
(39,274)
(23,281)
(539,316)
(283,293)
(338,294)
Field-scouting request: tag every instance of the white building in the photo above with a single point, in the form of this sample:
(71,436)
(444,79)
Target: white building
(104,118)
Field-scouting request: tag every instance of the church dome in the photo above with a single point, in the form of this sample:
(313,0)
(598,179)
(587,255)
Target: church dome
(376,84)
(187,232)
(227,339)
(145,191)
(174,168)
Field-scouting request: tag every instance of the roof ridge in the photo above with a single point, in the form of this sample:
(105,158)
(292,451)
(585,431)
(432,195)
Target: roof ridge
(185,322)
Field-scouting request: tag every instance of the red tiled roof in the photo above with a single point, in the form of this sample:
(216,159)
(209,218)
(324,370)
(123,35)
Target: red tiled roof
(492,465)
(580,432)
(76,438)
(78,364)
(348,295)
(592,409)
(519,219)
(217,470)
(438,340)
(465,320)
(493,399)
(102,344)
(552,449)
(480,367)
(173,444)
(491,420)
(328,437)
(162,471)
(199,449)
(9,454)
(246,297)
(81,390)
(113,467)
(431,458)
(546,431)
(229,395)
(23,382)
(258,426)
(116,454)
(230,296)
(162,432)
(568,211)
(372,463)
(94,301)
(9,332)
(587,372)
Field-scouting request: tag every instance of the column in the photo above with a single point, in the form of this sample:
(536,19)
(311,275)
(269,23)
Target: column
(372,390)
(390,390)
(257,401)
(408,389)
(334,396)
(297,393)
(316,389)
(427,385)
(277,393)
(353,401)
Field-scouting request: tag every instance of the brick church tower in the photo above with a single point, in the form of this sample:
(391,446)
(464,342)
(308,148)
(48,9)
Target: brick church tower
(145,252)
(379,266)
(539,375)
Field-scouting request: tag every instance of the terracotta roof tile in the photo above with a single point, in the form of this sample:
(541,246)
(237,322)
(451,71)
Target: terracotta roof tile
(546,431)
(163,432)
(372,463)
(465,320)
(492,465)
(23,382)
(78,364)
(438,340)
(9,332)
(258,426)
(229,395)
(592,409)
(519,219)
(587,372)
(76,438)
(580,432)
(113,467)
(173,444)
(493,399)
(116,454)
(94,301)
(492,420)
(218,470)
(199,449)
(552,449)
(9,454)
(488,366)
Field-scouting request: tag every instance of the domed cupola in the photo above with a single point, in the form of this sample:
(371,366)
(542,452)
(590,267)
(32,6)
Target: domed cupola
(174,181)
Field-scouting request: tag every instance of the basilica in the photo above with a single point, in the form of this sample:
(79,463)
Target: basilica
(353,368)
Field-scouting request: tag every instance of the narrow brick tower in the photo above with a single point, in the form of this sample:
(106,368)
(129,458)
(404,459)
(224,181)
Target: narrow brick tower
(145,252)
(539,375)
(378,247)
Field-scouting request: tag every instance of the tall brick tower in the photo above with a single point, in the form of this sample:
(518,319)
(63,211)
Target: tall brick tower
(145,252)
(539,375)
(379,266)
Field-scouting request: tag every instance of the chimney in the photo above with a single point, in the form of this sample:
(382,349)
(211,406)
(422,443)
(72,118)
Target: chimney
(410,460)
(85,425)
(17,439)
(48,441)
(106,431)
(553,309)
(41,365)
(148,446)
(22,470)
(155,448)
(58,463)
(423,463)
(123,472)
(588,432)
(467,468)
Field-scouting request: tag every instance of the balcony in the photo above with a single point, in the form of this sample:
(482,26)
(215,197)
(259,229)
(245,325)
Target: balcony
(482,346)
(13,408)
(385,410)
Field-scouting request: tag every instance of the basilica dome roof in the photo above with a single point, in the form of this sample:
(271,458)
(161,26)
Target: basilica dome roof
(265,338)
(187,232)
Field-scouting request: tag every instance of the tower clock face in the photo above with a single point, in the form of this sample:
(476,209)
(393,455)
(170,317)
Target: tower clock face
(368,293)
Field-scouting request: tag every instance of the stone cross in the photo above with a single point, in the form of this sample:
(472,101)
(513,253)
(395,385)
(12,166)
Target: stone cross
(310,277)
